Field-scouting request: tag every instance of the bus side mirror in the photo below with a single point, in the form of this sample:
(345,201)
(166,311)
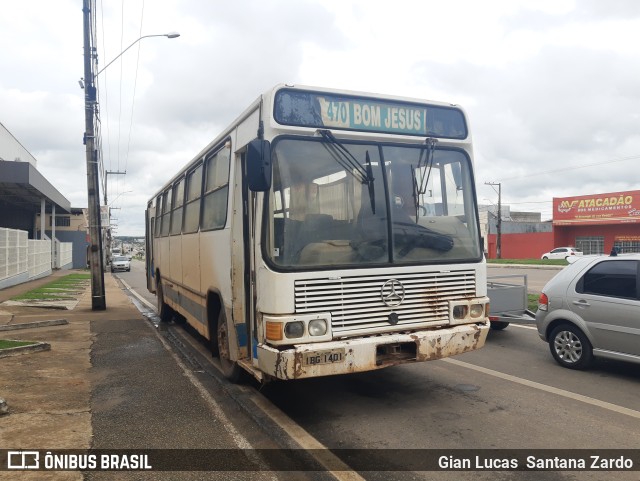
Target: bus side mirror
(259,165)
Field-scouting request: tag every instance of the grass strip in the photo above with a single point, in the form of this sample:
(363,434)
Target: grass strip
(532,302)
(69,282)
(8,344)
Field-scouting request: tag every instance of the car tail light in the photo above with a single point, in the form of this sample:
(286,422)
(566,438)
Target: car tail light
(543,302)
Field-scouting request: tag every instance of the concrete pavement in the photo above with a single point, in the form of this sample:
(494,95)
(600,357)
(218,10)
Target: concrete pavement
(110,382)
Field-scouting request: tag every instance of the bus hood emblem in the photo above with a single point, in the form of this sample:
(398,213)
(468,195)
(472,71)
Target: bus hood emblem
(392,293)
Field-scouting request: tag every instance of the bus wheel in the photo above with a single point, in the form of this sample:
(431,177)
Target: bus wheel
(164,311)
(230,368)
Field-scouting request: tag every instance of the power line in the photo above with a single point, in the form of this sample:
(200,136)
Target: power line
(595,164)
(135,84)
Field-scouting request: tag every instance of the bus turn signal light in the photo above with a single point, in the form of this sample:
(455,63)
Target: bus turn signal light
(273,331)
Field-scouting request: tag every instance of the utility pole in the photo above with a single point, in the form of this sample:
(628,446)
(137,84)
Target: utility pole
(96,259)
(98,302)
(499,241)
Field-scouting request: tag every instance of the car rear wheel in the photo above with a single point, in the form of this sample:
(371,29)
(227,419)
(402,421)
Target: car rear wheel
(545,258)
(570,347)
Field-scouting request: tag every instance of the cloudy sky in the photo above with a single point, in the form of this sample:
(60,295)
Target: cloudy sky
(551,87)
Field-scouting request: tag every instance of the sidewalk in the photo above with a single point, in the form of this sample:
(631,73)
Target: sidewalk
(110,382)
(48,393)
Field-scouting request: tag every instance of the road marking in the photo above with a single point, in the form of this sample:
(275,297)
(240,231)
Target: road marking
(293,429)
(523,327)
(550,389)
(238,438)
(306,440)
(137,296)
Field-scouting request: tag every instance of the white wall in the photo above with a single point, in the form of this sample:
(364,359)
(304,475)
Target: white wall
(22,259)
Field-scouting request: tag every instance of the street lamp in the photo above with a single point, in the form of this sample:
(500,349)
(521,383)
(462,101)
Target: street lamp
(168,35)
(96,263)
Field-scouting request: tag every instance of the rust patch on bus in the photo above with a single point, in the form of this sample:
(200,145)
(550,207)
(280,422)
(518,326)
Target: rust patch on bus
(439,348)
(281,367)
(297,365)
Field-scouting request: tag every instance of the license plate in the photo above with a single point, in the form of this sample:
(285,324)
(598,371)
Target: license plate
(330,356)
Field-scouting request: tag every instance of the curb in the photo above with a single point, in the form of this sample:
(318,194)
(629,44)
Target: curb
(63,305)
(527,266)
(30,325)
(17,351)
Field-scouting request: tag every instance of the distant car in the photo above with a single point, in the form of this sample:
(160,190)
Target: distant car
(591,309)
(561,253)
(120,263)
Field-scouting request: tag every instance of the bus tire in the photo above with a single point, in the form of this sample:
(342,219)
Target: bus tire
(164,311)
(230,368)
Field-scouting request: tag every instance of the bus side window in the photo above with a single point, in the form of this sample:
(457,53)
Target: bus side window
(158,222)
(192,204)
(166,212)
(176,211)
(216,189)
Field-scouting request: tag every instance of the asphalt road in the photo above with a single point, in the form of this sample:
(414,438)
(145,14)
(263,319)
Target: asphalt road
(510,394)
(536,278)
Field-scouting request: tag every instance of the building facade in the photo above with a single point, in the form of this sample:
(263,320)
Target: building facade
(593,223)
(28,249)
(70,227)
(596,223)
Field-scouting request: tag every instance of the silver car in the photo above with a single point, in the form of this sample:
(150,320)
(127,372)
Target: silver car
(120,263)
(592,309)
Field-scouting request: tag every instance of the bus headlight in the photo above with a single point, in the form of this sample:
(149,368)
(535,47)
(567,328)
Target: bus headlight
(476,311)
(459,312)
(317,327)
(294,330)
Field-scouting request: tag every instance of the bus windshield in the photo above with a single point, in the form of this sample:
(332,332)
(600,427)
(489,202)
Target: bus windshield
(391,208)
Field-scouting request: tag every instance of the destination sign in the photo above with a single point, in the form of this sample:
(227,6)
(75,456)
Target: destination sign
(322,110)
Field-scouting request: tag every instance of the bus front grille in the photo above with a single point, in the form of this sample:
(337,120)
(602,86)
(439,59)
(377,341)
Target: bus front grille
(357,307)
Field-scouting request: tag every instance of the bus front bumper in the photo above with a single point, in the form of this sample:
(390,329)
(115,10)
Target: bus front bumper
(368,353)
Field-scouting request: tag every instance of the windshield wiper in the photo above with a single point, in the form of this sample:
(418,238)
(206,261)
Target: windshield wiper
(420,188)
(350,164)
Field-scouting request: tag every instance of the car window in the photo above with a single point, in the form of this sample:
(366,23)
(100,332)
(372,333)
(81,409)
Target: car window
(611,278)
(120,259)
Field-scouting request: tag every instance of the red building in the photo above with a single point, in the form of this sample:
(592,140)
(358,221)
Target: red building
(596,223)
(592,223)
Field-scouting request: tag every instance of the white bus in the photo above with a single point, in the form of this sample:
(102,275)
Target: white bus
(325,232)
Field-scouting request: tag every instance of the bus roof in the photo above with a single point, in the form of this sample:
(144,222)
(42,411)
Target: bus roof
(304,106)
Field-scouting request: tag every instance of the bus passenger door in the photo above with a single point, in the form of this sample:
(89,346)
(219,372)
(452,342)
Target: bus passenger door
(149,225)
(241,264)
